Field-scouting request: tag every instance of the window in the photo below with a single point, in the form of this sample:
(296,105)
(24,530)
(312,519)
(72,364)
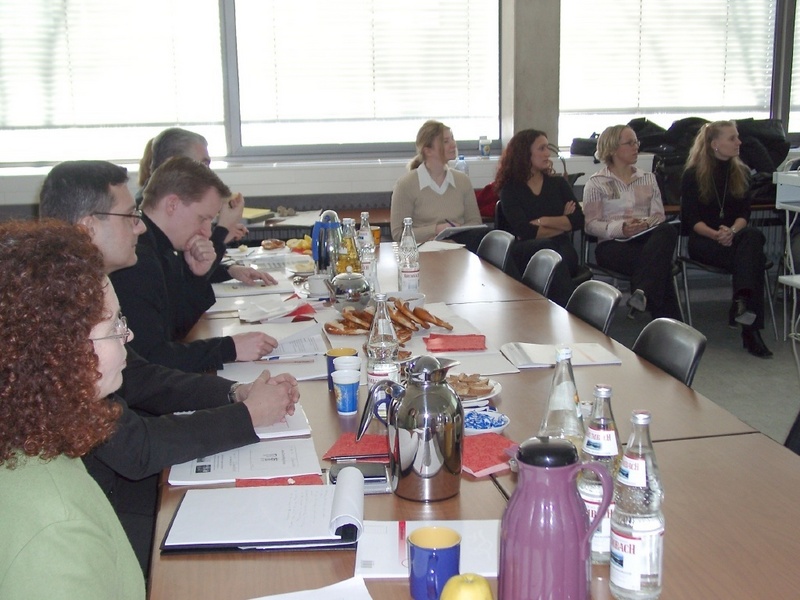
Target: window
(93,78)
(316,75)
(663,59)
(794,110)
(97,78)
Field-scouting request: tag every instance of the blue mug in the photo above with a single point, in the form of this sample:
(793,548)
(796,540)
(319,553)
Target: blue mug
(434,554)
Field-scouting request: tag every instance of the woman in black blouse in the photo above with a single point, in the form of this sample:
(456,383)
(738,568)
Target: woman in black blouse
(716,209)
(540,208)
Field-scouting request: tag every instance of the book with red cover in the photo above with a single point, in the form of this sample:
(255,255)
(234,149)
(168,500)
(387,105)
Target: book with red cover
(372,448)
(485,454)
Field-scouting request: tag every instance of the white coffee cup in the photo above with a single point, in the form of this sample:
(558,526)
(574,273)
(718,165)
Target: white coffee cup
(317,286)
(347,363)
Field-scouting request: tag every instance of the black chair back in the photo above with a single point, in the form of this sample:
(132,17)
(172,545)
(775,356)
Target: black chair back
(672,346)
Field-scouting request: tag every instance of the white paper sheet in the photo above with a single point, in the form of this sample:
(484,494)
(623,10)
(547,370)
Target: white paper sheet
(263,460)
(532,356)
(304,368)
(295,425)
(349,589)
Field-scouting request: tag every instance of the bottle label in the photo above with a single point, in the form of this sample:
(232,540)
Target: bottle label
(632,471)
(383,371)
(600,442)
(601,540)
(409,280)
(636,559)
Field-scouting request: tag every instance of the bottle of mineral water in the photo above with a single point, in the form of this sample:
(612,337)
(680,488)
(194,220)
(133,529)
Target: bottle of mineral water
(563,418)
(408,259)
(461,165)
(366,251)
(600,445)
(382,345)
(637,524)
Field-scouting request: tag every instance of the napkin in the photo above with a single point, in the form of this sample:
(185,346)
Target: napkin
(437,342)
(485,454)
(372,447)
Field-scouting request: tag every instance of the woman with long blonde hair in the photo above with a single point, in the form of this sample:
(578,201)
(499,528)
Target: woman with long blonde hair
(716,210)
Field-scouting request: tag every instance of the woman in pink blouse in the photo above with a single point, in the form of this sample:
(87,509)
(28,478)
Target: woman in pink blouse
(623,209)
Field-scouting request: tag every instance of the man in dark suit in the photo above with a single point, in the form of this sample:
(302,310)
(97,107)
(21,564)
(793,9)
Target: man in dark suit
(149,437)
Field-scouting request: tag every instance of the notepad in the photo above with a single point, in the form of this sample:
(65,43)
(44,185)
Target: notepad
(270,518)
(532,356)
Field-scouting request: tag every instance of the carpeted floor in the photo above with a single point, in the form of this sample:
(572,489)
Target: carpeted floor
(763,393)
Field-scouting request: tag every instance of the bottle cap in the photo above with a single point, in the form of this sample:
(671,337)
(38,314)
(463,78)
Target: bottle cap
(640,417)
(460,157)
(380,297)
(563,353)
(601,390)
(365,215)
(407,220)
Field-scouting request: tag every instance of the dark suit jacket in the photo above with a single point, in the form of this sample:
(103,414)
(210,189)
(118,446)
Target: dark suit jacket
(149,438)
(162,300)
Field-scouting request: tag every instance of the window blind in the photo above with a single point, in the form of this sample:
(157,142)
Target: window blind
(365,71)
(664,59)
(70,71)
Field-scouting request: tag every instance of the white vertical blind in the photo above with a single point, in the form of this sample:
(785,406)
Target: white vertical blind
(663,59)
(794,109)
(102,76)
(365,71)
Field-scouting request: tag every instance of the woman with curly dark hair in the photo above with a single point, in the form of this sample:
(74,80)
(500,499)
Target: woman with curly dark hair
(540,208)
(63,354)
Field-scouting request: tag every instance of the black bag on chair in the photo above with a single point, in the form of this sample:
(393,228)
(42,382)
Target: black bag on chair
(668,169)
(584,146)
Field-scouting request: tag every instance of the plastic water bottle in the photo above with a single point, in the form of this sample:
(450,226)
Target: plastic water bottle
(461,165)
(382,345)
(563,418)
(600,445)
(366,251)
(408,259)
(637,524)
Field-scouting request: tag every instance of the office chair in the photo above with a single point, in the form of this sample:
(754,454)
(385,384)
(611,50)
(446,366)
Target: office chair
(672,346)
(594,302)
(588,240)
(539,272)
(495,248)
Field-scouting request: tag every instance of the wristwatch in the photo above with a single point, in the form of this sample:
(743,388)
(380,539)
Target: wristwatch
(232,392)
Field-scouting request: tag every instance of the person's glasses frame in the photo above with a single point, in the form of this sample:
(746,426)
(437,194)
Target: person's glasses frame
(631,143)
(136,215)
(121,327)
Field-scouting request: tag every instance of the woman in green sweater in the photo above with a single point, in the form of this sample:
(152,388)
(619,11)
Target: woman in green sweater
(63,354)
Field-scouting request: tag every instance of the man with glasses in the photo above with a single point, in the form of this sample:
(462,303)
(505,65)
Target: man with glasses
(149,437)
(168,289)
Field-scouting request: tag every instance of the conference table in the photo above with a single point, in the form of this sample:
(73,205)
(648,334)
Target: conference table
(730,493)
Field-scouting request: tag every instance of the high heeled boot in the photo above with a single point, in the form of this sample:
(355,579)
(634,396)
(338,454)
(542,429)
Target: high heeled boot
(752,342)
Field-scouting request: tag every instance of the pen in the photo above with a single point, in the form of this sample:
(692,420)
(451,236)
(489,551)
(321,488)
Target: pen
(283,361)
(449,222)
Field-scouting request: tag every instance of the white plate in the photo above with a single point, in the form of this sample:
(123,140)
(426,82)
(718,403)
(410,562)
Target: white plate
(484,421)
(478,401)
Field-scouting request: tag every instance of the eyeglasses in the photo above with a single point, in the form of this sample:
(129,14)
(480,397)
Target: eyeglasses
(631,143)
(121,327)
(136,215)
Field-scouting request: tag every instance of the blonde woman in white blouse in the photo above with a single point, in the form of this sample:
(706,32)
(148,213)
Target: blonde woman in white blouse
(432,194)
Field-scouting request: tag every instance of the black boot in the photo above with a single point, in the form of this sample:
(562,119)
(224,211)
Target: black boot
(752,342)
